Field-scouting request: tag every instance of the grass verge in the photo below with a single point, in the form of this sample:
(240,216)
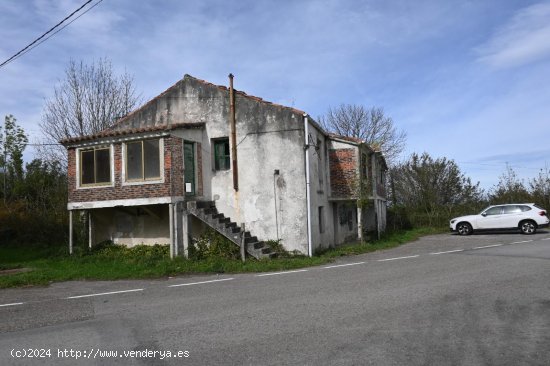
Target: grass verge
(50,264)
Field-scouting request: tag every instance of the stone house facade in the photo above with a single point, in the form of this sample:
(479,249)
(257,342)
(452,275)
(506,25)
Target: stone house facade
(202,155)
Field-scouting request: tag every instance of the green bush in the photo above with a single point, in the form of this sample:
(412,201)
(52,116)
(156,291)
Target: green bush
(213,245)
(277,247)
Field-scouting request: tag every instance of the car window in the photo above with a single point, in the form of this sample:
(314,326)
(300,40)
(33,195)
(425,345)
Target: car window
(511,209)
(525,208)
(494,211)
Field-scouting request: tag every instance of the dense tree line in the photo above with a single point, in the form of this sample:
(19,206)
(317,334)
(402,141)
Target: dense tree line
(427,191)
(34,195)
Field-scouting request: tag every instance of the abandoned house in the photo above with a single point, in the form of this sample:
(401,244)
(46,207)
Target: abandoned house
(202,155)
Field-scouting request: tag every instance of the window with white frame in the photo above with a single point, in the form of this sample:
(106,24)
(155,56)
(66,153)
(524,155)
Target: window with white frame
(143,160)
(95,166)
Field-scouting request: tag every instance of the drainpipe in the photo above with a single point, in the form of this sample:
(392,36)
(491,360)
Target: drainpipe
(233,134)
(308,189)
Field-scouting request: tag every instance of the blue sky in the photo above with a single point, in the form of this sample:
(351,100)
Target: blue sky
(466,80)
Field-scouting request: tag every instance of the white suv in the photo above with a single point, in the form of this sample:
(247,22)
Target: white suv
(526,217)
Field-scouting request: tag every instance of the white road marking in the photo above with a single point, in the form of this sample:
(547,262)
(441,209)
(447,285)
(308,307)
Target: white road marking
(519,242)
(546,239)
(12,304)
(200,283)
(344,265)
(393,259)
(280,273)
(104,293)
(489,246)
(448,251)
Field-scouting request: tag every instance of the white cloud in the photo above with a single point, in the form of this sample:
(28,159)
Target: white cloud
(524,39)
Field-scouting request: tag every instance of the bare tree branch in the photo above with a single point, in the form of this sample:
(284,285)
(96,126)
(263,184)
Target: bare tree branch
(88,100)
(370,125)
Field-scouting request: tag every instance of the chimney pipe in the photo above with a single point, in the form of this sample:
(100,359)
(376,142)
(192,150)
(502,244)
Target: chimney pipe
(232,123)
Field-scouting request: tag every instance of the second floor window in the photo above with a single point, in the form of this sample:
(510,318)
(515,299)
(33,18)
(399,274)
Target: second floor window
(95,166)
(221,154)
(143,160)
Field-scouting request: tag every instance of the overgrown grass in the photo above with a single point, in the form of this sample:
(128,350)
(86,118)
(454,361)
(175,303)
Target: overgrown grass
(51,264)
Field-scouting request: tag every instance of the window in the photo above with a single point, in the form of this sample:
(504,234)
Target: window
(364,165)
(221,154)
(143,160)
(95,166)
(321,220)
(494,211)
(512,209)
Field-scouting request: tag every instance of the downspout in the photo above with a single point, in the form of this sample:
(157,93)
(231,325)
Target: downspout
(308,188)
(233,134)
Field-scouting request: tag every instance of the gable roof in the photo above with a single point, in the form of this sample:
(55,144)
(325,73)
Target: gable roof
(188,77)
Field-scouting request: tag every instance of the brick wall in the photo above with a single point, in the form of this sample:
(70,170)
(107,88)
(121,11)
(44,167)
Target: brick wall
(343,172)
(175,163)
(172,186)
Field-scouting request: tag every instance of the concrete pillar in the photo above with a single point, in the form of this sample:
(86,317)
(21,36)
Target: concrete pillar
(171,219)
(378,217)
(176,230)
(71,232)
(90,230)
(185,232)
(360,224)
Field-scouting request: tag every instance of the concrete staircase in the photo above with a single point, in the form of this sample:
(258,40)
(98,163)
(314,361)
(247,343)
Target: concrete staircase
(206,212)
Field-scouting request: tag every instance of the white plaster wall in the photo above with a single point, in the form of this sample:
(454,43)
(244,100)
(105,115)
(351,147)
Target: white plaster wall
(345,222)
(131,229)
(320,190)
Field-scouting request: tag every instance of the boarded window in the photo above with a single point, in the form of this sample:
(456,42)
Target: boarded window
(143,160)
(221,154)
(95,166)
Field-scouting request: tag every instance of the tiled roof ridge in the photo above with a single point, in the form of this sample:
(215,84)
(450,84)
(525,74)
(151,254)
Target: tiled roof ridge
(241,93)
(129,131)
(348,138)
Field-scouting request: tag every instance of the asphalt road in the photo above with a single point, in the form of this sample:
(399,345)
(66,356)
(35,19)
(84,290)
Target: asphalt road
(443,300)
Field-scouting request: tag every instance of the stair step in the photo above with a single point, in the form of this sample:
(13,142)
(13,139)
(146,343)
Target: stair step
(266,250)
(250,239)
(225,220)
(256,245)
(207,212)
(205,204)
(210,211)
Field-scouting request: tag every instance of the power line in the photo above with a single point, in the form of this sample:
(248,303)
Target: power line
(42,38)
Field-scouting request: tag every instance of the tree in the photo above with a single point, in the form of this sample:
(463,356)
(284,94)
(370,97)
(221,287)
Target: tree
(432,186)
(13,144)
(539,188)
(90,99)
(45,189)
(509,189)
(370,125)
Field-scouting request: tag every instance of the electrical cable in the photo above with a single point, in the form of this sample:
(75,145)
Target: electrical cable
(41,39)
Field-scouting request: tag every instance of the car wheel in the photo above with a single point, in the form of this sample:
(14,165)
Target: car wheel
(464,228)
(528,227)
